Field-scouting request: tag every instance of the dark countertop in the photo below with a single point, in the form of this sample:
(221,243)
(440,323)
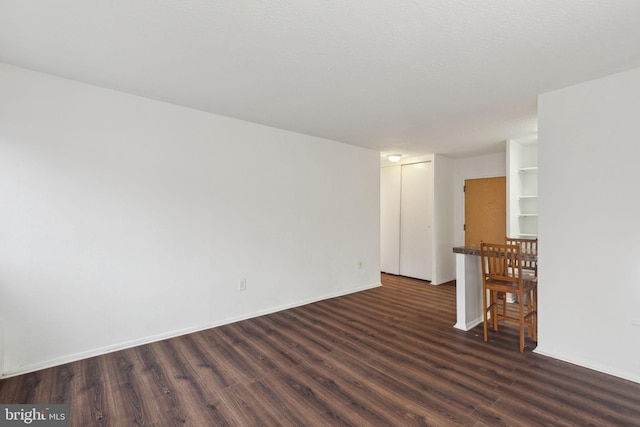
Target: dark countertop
(467,250)
(475,250)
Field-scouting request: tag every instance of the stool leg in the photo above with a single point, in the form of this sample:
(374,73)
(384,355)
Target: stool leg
(494,310)
(485,314)
(521,314)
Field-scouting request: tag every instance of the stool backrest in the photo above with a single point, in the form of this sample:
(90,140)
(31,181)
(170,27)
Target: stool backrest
(526,246)
(501,262)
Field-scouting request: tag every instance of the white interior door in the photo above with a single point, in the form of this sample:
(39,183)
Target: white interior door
(416,220)
(390,219)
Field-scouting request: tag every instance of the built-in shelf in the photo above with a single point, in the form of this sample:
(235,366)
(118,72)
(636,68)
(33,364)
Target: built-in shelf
(522,187)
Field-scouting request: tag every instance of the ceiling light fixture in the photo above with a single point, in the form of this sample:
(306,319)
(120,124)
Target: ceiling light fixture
(394,158)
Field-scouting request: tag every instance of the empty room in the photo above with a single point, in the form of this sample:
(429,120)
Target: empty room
(277,212)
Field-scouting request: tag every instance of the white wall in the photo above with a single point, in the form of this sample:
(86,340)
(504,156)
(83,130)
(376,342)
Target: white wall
(487,166)
(589,207)
(125,220)
(444,267)
(390,185)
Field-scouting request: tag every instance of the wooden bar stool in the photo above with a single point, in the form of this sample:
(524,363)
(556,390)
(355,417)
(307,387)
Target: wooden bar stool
(528,267)
(502,272)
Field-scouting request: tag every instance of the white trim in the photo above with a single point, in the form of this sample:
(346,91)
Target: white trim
(591,365)
(25,369)
(469,325)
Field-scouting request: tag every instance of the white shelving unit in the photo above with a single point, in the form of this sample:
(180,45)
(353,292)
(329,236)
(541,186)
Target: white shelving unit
(522,187)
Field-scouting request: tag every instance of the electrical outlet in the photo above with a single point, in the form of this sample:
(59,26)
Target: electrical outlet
(242,284)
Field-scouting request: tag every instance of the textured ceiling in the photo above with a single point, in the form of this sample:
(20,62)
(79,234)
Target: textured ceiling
(416,77)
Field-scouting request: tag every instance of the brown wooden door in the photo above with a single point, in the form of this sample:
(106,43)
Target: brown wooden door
(485,210)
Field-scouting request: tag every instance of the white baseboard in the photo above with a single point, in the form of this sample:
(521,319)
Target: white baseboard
(25,369)
(469,325)
(590,365)
(443,281)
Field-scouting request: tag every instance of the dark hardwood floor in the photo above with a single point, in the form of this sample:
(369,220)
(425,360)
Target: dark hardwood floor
(387,356)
